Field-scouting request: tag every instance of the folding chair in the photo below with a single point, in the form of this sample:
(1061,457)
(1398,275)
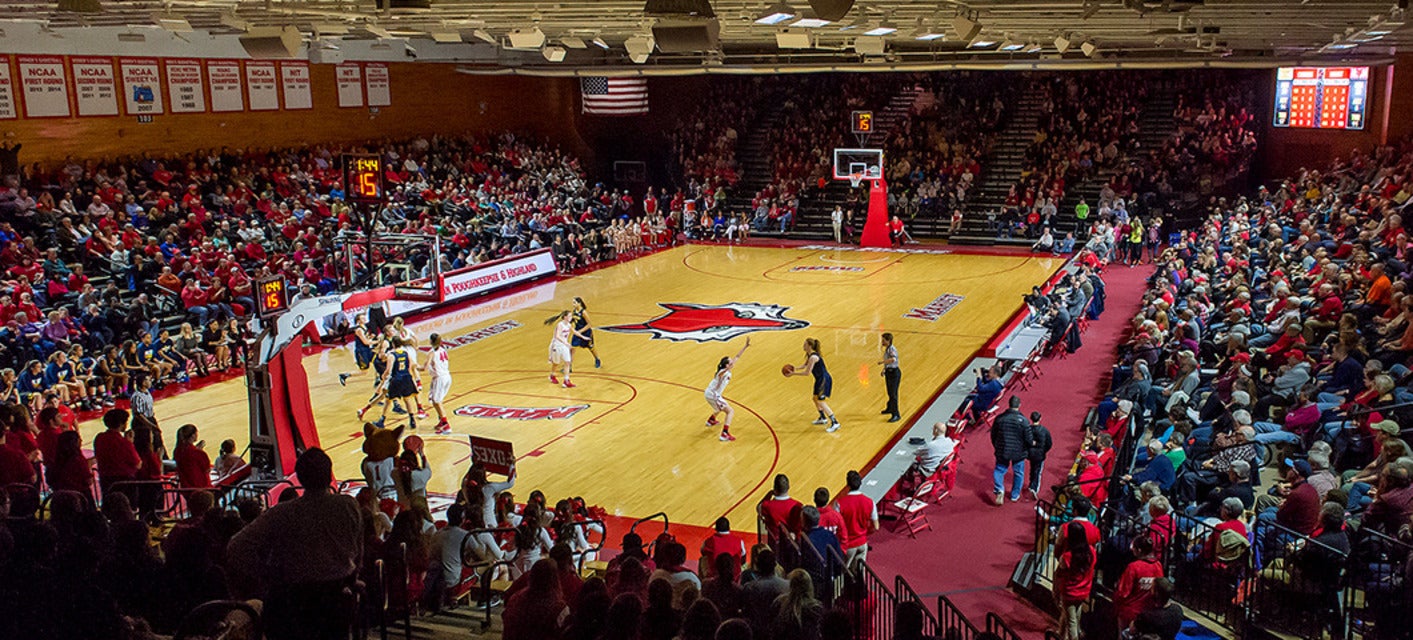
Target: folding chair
(910,509)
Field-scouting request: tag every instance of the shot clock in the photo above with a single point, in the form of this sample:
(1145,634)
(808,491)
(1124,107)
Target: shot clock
(271,297)
(363,178)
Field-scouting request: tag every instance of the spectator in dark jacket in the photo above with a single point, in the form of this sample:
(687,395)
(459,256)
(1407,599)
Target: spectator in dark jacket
(1159,468)
(1040,445)
(1010,438)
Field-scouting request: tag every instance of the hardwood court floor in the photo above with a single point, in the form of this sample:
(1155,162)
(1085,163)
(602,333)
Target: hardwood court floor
(636,442)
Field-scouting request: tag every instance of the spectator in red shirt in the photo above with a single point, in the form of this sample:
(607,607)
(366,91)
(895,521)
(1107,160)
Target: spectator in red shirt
(115,454)
(538,612)
(723,541)
(193,464)
(780,510)
(1134,593)
(50,426)
(15,466)
(69,470)
(1074,578)
(194,298)
(829,519)
(860,516)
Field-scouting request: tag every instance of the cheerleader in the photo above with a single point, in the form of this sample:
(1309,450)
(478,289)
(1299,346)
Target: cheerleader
(823,384)
(583,333)
(403,379)
(438,364)
(560,356)
(715,390)
(362,348)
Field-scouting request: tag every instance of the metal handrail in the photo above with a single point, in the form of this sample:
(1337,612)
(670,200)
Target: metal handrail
(649,546)
(593,549)
(951,617)
(997,626)
(905,593)
(486,575)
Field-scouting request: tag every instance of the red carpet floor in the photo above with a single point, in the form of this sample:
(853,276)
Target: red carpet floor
(974,545)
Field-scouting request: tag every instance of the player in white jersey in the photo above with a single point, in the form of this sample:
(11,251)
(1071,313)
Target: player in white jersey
(560,355)
(714,394)
(440,367)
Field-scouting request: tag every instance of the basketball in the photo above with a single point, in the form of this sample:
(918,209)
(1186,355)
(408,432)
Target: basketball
(787,370)
(413,443)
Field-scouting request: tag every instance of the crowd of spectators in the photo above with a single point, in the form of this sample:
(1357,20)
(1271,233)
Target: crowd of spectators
(1275,337)
(704,142)
(117,270)
(934,155)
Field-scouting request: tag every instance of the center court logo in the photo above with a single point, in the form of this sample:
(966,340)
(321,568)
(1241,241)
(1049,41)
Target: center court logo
(519,413)
(705,323)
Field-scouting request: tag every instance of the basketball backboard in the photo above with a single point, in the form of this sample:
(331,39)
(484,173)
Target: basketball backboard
(855,162)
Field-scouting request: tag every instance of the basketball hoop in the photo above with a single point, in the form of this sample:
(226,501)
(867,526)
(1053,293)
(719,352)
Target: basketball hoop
(856,179)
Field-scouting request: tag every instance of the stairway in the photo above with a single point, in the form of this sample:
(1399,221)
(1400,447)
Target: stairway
(1002,168)
(753,156)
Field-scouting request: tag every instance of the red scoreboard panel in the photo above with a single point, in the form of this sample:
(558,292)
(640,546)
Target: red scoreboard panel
(1321,97)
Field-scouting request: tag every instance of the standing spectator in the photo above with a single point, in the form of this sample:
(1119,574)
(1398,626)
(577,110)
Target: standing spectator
(15,466)
(303,556)
(779,509)
(722,541)
(68,469)
(758,595)
(1040,445)
(892,375)
(1010,440)
(114,452)
(860,519)
(193,464)
(1134,593)
(1074,578)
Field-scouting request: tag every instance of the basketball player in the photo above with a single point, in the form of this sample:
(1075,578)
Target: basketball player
(716,389)
(362,348)
(580,315)
(823,384)
(560,356)
(441,380)
(403,379)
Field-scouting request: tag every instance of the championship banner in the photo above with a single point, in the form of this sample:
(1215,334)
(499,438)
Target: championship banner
(262,82)
(185,85)
(350,84)
(45,86)
(497,456)
(8,109)
(294,78)
(95,85)
(224,79)
(378,82)
(142,86)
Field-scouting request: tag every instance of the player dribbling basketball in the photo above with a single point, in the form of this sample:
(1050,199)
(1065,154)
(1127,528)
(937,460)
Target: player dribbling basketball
(823,383)
(714,392)
(440,367)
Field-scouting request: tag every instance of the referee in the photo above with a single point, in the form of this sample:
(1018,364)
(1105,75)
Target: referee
(891,376)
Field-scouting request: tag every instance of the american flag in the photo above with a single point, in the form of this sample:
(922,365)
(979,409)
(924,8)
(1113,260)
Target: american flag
(614,96)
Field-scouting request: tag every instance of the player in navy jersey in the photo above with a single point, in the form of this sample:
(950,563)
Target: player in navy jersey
(823,384)
(403,378)
(583,333)
(363,342)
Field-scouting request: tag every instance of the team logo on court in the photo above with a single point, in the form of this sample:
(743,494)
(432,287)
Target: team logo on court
(519,413)
(705,323)
(935,309)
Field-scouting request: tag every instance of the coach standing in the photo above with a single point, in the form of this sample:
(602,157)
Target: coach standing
(1010,438)
(892,375)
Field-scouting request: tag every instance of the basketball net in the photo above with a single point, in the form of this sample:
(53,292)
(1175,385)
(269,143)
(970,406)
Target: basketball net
(856,179)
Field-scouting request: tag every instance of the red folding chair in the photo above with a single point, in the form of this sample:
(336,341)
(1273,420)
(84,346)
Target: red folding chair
(909,510)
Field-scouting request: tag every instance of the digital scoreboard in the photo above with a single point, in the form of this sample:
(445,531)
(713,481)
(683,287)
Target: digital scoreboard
(1321,97)
(363,179)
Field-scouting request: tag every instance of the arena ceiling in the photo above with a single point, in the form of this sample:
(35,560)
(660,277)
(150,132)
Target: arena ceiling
(619,33)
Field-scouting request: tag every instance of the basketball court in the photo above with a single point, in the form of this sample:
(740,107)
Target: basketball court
(631,437)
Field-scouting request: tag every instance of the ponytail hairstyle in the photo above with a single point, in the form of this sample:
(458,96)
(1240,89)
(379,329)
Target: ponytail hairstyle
(580,301)
(725,360)
(556,317)
(1077,544)
(813,344)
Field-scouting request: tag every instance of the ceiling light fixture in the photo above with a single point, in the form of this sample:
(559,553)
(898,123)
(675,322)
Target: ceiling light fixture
(981,42)
(810,23)
(1011,45)
(445,37)
(883,29)
(776,14)
(573,43)
(1089,49)
(1033,47)
(928,35)
(485,36)
(598,42)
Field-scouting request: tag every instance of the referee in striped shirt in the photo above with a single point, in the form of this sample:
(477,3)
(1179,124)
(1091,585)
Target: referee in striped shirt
(892,375)
(144,414)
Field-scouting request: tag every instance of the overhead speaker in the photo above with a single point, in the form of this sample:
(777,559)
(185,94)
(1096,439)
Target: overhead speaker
(320,55)
(793,39)
(531,38)
(966,28)
(695,8)
(639,46)
(870,45)
(553,54)
(831,10)
(687,36)
(271,42)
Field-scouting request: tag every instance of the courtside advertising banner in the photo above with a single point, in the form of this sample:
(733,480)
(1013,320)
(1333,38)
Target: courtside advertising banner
(497,456)
(483,278)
